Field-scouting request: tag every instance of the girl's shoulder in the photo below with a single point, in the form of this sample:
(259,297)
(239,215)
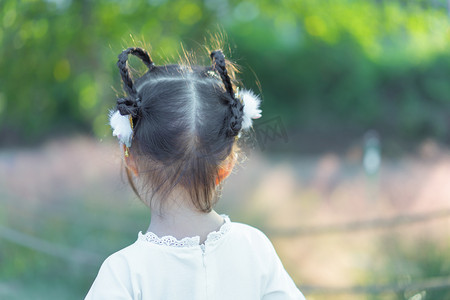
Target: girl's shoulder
(150,247)
(254,237)
(121,259)
(248,230)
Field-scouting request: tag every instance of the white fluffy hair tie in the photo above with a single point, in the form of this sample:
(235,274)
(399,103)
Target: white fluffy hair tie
(251,104)
(123,130)
(122,127)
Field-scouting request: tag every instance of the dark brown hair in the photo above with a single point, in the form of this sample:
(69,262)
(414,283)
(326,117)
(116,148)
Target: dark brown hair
(186,120)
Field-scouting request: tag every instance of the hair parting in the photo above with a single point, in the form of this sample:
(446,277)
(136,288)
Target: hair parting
(185,120)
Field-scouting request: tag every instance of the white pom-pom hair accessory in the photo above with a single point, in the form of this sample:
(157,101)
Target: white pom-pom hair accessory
(251,104)
(122,127)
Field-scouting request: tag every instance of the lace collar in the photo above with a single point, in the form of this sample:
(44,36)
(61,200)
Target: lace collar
(186,242)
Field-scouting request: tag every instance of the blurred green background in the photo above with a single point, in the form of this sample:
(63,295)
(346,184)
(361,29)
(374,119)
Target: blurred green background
(325,66)
(329,71)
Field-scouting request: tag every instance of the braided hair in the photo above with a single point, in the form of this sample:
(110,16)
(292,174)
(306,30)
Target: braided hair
(236,107)
(185,122)
(131,104)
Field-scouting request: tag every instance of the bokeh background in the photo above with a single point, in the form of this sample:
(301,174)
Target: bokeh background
(348,171)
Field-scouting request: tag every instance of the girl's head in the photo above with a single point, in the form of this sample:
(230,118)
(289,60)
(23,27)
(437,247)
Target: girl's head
(179,125)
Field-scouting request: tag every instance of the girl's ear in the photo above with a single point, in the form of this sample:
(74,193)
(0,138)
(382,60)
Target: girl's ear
(225,169)
(130,163)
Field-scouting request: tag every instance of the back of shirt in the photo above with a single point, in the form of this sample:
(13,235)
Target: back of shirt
(237,262)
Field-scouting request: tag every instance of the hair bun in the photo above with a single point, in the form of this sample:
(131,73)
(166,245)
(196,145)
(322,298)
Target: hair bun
(129,106)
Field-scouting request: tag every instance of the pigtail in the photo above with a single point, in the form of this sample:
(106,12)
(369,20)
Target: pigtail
(219,65)
(131,105)
(172,145)
(236,107)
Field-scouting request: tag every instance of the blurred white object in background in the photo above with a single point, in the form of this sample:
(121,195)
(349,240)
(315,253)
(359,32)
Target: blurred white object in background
(372,153)
(371,163)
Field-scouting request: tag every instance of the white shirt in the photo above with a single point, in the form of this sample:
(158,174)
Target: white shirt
(236,262)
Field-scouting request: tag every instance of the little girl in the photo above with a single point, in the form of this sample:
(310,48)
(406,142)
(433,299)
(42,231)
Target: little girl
(179,125)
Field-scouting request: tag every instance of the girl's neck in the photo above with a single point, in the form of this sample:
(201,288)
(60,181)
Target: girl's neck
(180,219)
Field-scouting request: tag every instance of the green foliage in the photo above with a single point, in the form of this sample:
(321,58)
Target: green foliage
(321,64)
(404,263)
(79,225)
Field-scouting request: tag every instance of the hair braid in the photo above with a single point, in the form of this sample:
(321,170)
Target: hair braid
(236,107)
(220,66)
(130,105)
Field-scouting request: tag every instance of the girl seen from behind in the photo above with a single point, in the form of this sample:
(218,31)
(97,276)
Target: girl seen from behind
(179,126)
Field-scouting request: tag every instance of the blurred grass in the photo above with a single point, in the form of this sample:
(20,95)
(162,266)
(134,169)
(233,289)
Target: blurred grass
(83,205)
(331,70)
(81,210)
